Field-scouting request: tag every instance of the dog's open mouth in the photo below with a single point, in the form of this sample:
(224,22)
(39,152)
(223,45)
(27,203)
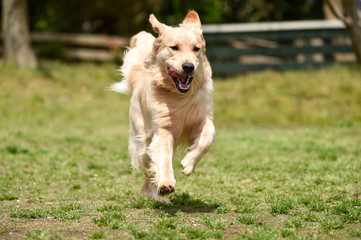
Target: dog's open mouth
(182,82)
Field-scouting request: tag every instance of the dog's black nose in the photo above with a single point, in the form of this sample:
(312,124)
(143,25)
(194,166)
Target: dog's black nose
(188,67)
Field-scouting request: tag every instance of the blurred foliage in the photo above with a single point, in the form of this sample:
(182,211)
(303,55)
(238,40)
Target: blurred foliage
(274,10)
(126,17)
(93,16)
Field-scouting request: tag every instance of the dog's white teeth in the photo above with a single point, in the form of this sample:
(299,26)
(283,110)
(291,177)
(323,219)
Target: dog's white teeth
(184,86)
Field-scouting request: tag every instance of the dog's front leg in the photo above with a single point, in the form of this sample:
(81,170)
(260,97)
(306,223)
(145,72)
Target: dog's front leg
(202,139)
(161,153)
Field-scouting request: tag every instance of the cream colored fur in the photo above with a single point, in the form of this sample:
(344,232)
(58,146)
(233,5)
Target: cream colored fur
(161,117)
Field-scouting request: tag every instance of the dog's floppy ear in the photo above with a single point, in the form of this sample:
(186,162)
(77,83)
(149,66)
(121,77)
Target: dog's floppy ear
(192,20)
(157,26)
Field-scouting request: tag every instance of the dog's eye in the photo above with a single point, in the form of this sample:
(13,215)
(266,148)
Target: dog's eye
(196,49)
(174,48)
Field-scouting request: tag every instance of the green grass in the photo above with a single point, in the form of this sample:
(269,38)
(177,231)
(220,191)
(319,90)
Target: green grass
(246,219)
(285,162)
(28,213)
(42,235)
(280,205)
(97,235)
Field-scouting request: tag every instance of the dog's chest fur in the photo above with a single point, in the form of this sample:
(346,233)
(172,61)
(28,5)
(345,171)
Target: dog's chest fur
(177,113)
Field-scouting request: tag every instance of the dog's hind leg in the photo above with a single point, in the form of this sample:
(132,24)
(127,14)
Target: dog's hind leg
(147,187)
(202,139)
(133,151)
(137,134)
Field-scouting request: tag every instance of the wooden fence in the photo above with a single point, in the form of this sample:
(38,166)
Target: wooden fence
(237,48)
(231,48)
(83,47)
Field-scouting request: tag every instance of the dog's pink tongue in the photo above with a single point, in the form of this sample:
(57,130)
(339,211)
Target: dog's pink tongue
(182,78)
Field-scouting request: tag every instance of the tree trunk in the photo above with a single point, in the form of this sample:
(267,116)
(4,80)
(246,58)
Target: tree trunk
(327,11)
(16,40)
(354,28)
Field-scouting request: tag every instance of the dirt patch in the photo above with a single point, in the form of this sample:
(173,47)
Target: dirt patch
(233,230)
(11,235)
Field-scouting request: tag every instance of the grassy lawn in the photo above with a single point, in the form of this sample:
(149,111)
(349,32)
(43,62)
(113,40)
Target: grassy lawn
(285,162)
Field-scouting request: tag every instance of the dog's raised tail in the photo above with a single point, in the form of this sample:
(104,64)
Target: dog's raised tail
(135,57)
(121,87)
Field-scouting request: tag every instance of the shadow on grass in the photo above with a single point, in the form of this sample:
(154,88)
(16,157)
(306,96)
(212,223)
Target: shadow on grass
(179,202)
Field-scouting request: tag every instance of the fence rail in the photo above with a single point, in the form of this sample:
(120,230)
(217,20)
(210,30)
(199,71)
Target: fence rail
(231,48)
(236,48)
(111,42)
(82,47)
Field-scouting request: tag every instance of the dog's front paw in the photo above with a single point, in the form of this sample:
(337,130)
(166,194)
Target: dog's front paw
(166,187)
(161,199)
(154,194)
(187,168)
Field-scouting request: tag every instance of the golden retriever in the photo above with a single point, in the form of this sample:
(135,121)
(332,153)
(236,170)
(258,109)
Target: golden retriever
(169,78)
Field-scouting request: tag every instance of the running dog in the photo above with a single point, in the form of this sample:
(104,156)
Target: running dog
(170,80)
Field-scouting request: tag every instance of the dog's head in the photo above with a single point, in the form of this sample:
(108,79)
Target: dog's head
(180,51)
